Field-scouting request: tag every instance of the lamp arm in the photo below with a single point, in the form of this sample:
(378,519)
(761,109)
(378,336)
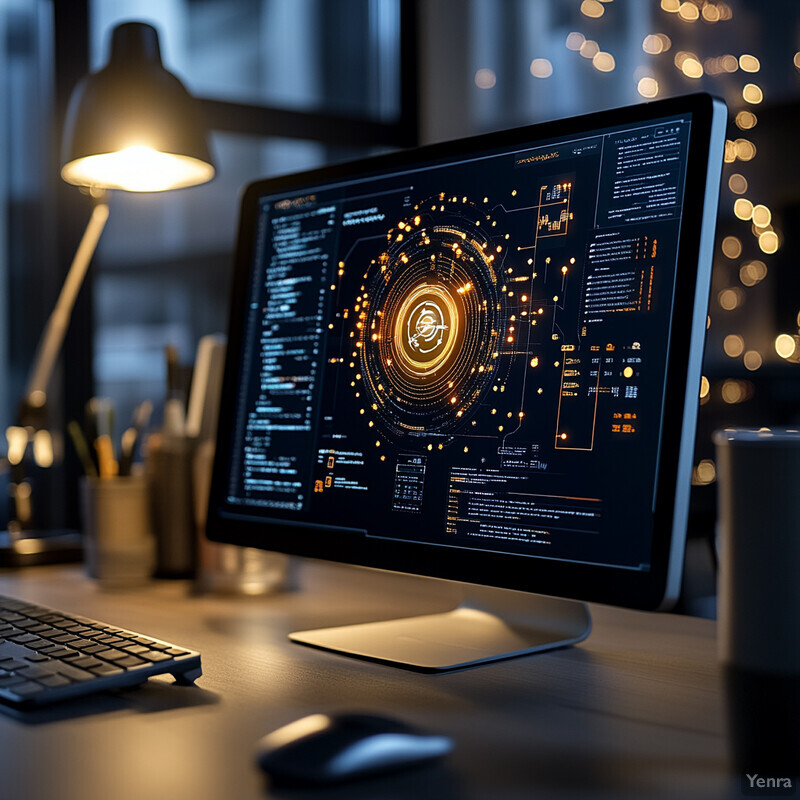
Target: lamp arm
(56,328)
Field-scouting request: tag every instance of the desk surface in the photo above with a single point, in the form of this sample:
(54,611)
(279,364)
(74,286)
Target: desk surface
(634,711)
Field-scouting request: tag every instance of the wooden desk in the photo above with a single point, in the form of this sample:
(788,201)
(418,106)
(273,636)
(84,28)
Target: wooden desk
(634,711)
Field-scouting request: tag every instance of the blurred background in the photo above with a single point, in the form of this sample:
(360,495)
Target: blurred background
(287,85)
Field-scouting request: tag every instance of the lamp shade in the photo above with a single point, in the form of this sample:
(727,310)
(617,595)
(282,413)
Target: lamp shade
(133,125)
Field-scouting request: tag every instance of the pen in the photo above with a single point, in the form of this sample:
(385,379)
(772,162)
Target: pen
(107,466)
(131,436)
(81,448)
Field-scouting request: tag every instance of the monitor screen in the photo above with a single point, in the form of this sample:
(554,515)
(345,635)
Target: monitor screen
(478,360)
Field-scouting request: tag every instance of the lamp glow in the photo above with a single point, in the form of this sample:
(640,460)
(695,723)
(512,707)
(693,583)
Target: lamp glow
(138,169)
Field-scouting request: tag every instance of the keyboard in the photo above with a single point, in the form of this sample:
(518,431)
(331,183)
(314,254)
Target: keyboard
(47,656)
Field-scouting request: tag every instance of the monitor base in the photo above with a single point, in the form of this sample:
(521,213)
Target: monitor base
(489,625)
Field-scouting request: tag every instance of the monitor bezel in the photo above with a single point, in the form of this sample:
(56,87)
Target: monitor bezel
(650,589)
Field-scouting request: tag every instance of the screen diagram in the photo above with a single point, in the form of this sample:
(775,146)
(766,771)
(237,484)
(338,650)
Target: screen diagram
(469,354)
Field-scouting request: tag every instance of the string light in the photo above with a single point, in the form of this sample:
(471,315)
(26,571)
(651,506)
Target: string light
(732,246)
(603,62)
(752,94)
(745,120)
(733,345)
(647,87)
(769,242)
(485,78)
(592,8)
(737,183)
(752,360)
(749,63)
(575,41)
(541,68)
(689,12)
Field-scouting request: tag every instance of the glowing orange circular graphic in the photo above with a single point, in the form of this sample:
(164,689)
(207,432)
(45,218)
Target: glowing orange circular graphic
(426,330)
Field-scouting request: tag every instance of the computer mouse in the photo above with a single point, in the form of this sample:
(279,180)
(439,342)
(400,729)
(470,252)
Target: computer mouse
(331,748)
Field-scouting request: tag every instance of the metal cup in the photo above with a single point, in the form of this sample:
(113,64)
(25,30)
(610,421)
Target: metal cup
(759,596)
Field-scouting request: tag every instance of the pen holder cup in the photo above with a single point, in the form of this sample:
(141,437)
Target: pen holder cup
(168,467)
(119,548)
(759,596)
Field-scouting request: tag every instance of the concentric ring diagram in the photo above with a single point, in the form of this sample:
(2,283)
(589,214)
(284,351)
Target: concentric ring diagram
(431,326)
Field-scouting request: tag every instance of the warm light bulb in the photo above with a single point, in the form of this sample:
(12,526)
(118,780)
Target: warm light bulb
(785,345)
(137,169)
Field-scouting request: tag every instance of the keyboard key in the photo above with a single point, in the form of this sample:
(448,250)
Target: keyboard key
(86,662)
(38,628)
(96,648)
(42,644)
(175,651)
(106,669)
(56,651)
(130,661)
(11,680)
(35,657)
(26,689)
(155,655)
(136,649)
(10,664)
(23,638)
(144,640)
(63,638)
(112,655)
(73,673)
(39,670)
(27,624)
(54,681)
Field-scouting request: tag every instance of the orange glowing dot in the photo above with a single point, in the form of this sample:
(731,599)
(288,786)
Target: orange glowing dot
(563,436)
(453,399)
(535,361)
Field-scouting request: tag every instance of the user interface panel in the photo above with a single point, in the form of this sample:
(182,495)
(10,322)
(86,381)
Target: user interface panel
(469,354)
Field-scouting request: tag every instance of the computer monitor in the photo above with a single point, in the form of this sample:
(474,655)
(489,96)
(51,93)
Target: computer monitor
(478,361)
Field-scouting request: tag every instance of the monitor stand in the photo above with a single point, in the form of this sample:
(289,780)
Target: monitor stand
(489,625)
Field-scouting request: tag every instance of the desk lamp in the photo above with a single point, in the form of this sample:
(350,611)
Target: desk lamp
(131,126)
